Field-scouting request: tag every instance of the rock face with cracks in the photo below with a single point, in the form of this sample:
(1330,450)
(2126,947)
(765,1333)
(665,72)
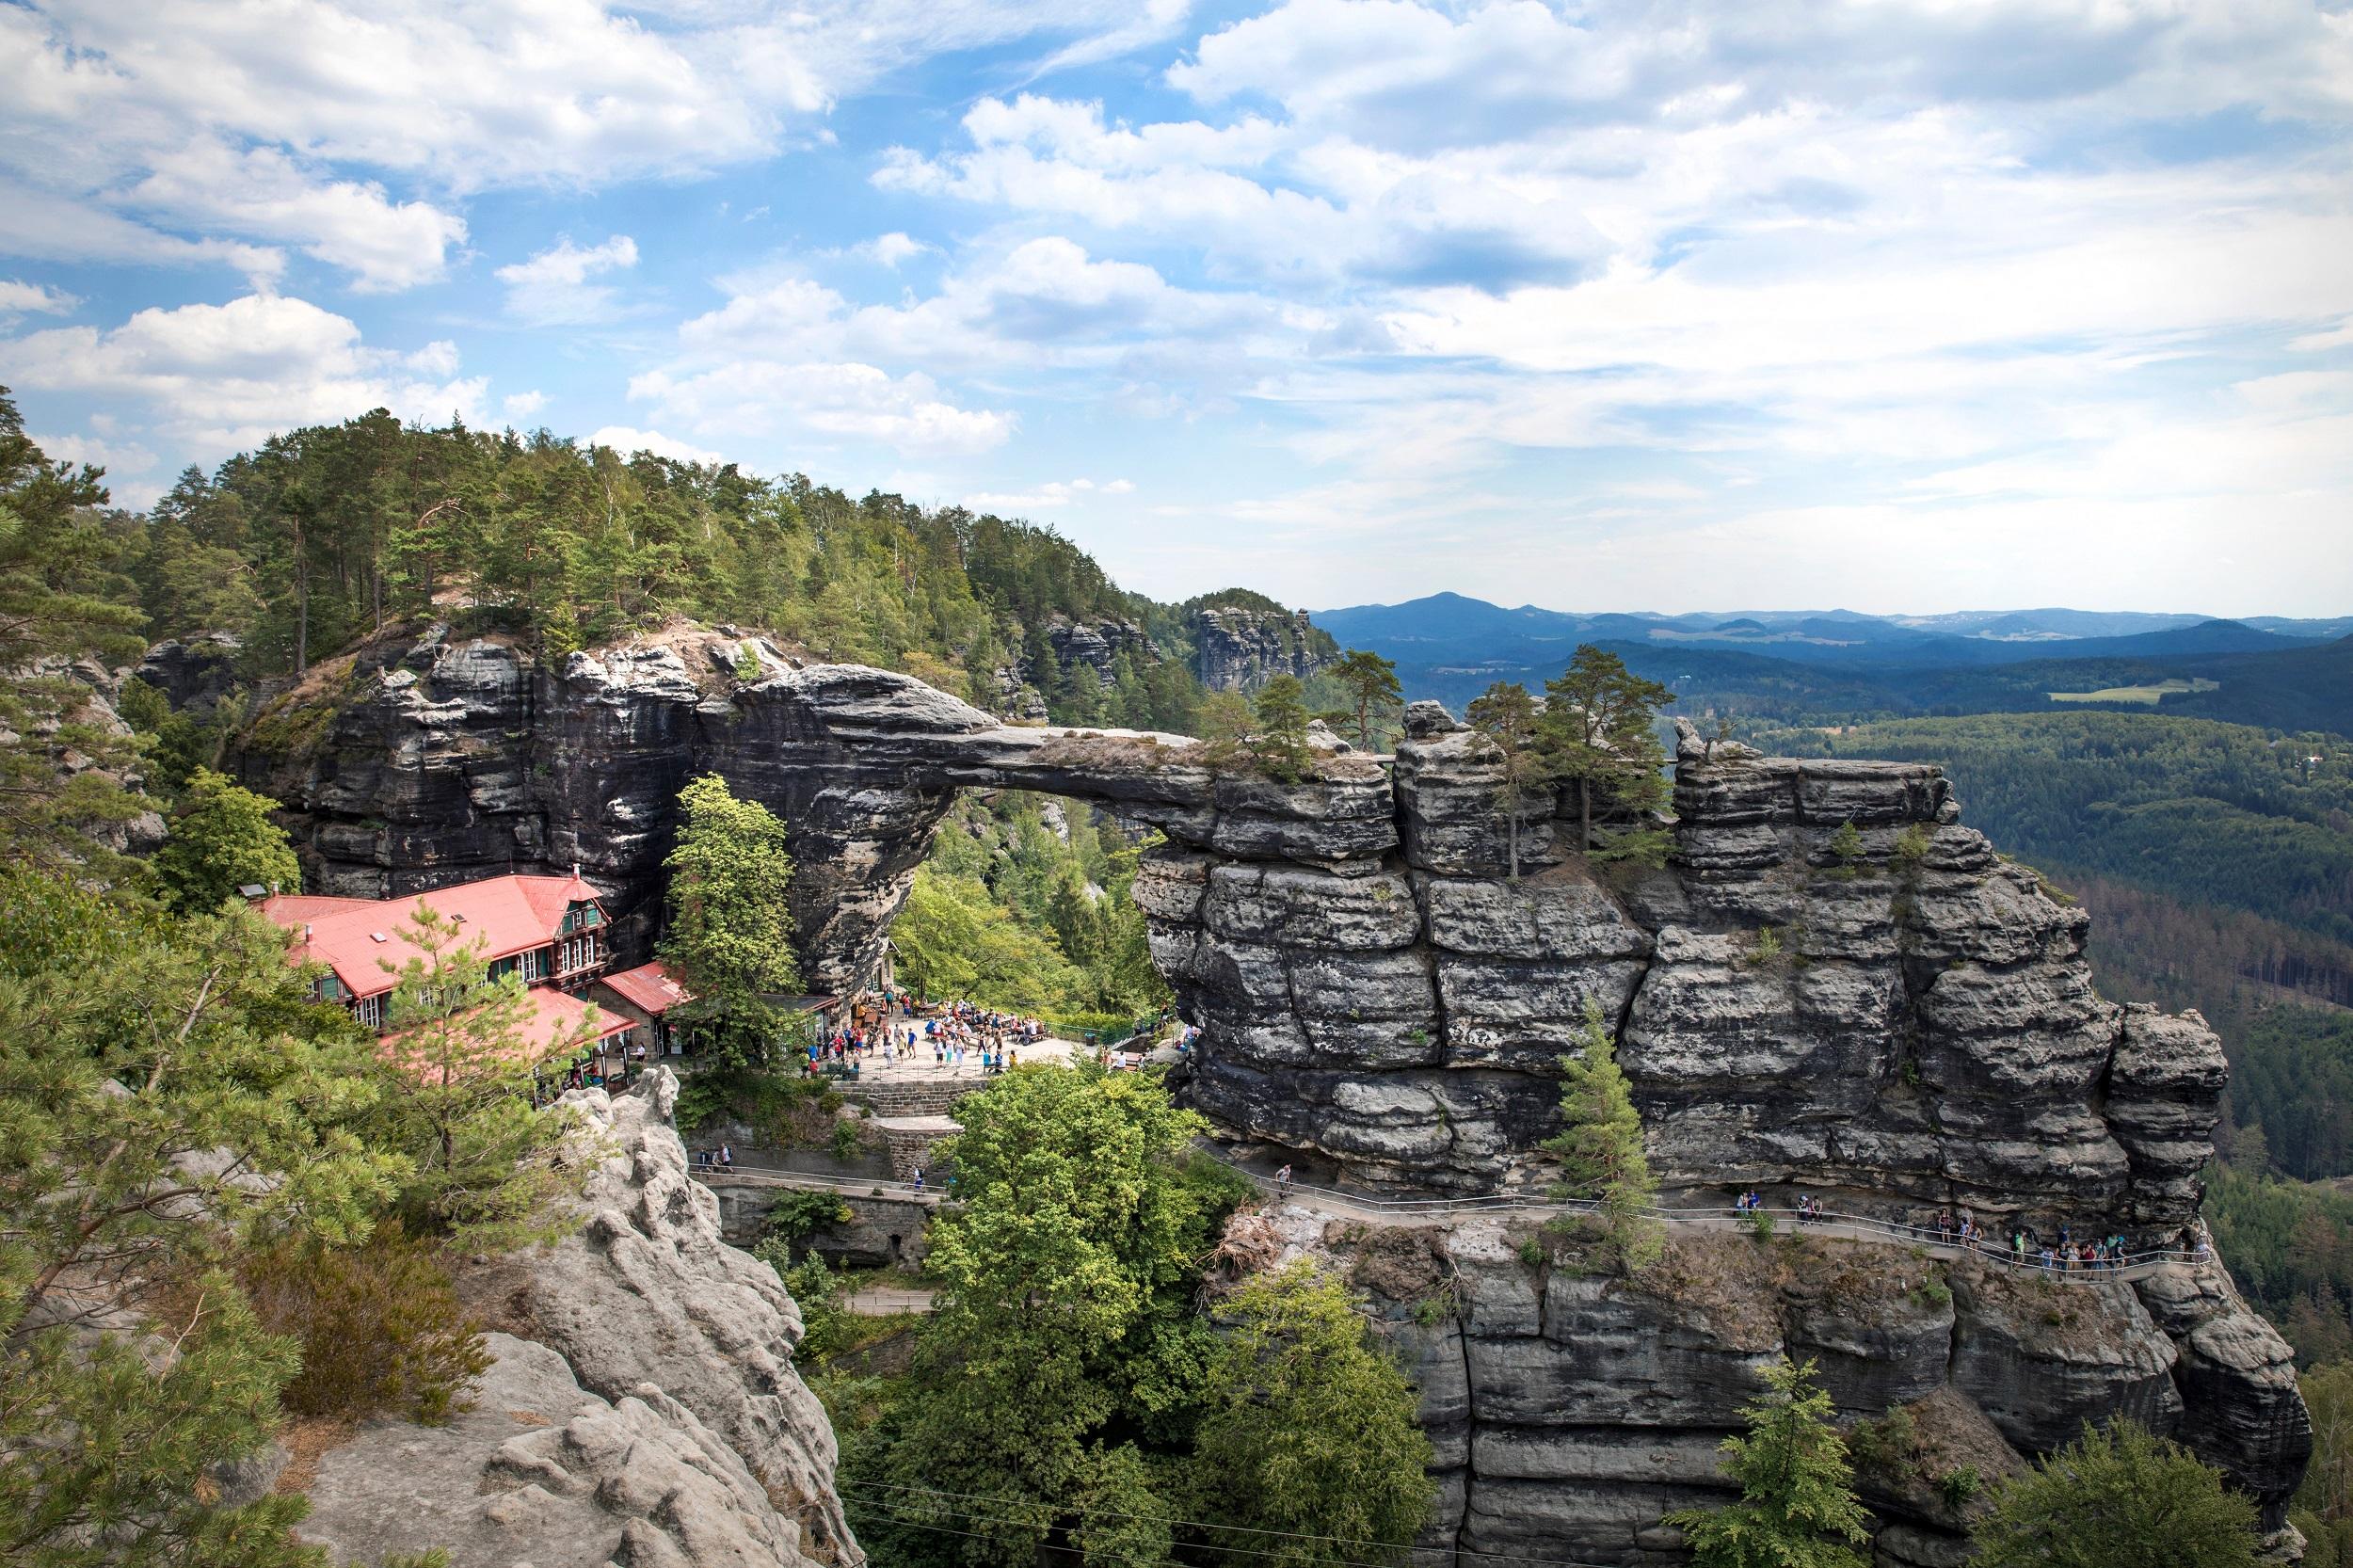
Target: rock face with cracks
(642,1410)
(1833,987)
(1571,1408)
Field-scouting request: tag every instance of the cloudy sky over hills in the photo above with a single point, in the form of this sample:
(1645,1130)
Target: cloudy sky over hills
(1909,304)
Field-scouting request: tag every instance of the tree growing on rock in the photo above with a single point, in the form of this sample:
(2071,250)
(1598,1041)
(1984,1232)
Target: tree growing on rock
(1600,731)
(1797,1507)
(729,938)
(1509,717)
(222,840)
(1375,697)
(153,1127)
(2118,1497)
(1279,747)
(1600,1145)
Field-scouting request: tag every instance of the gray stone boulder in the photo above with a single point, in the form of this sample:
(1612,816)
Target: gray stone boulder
(643,1407)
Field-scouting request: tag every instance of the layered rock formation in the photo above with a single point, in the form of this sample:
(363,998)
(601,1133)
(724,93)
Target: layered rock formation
(1571,1409)
(642,1408)
(1240,648)
(1832,988)
(1833,985)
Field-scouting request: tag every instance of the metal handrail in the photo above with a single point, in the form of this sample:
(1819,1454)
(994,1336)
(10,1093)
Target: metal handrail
(2129,1266)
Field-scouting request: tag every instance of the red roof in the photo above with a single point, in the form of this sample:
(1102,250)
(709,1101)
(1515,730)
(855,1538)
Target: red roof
(550,1021)
(356,937)
(649,988)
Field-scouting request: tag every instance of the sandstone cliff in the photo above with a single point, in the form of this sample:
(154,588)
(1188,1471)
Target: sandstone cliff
(643,1409)
(1242,643)
(1887,1018)
(1571,1408)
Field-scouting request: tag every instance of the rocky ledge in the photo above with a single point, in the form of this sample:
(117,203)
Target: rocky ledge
(1571,1408)
(642,1410)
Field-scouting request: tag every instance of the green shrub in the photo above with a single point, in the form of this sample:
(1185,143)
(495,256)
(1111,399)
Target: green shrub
(379,1326)
(1533,1253)
(1958,1485)
(1759,1225)
(845,1143)
(797,1214)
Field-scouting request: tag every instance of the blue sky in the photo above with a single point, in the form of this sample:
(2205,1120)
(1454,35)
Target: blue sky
(1910,305)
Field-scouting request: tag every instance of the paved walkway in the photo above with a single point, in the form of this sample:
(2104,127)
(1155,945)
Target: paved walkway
(1321,1200)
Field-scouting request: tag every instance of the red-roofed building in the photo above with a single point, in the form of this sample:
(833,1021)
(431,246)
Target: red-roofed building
(552,1020)
(646,996)
(548,931)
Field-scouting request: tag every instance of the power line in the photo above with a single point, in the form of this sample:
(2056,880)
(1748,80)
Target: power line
(1202,1524)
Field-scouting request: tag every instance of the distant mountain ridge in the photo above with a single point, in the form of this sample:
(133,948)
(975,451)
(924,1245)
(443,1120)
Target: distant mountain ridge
(1836,664)
(1455,626)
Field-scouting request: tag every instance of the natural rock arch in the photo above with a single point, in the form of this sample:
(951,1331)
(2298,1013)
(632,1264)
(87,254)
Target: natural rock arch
(1373,989)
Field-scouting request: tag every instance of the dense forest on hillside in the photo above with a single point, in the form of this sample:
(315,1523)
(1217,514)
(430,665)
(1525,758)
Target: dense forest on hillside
(327,535)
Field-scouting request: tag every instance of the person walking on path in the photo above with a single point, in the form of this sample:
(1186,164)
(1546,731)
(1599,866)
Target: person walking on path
(726,1157)
(919,1181)
(1283,1178)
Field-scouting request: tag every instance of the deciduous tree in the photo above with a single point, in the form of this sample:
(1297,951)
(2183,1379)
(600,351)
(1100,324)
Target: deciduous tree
(729,938)
(221,838)
(2118,1497)
(1308,1452)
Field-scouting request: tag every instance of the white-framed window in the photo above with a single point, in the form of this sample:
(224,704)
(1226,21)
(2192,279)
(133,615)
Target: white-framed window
(370,1011)
(534,966)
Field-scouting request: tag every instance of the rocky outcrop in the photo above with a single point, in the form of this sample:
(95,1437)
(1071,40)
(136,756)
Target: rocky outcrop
(643,1407)
(195,674)
(1571,1408)
(1832,988)
(1097,644)
(1240,647)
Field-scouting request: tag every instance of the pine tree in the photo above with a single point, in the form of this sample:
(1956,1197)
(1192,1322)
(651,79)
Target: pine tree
(1507,715)
(1370,683)
(1600,1145)
(1279,747)
(1797,1507)
(62,599)
(460,1065)
(1599,719)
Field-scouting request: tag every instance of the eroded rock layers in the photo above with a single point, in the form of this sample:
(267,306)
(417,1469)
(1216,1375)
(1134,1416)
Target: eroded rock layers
(1833,987)
(642,1407)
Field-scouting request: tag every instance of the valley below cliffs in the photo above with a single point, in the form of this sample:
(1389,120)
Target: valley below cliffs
(1833,988)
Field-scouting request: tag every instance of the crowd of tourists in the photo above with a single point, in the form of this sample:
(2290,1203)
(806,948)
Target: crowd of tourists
(891,1028)
(2022,1247)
